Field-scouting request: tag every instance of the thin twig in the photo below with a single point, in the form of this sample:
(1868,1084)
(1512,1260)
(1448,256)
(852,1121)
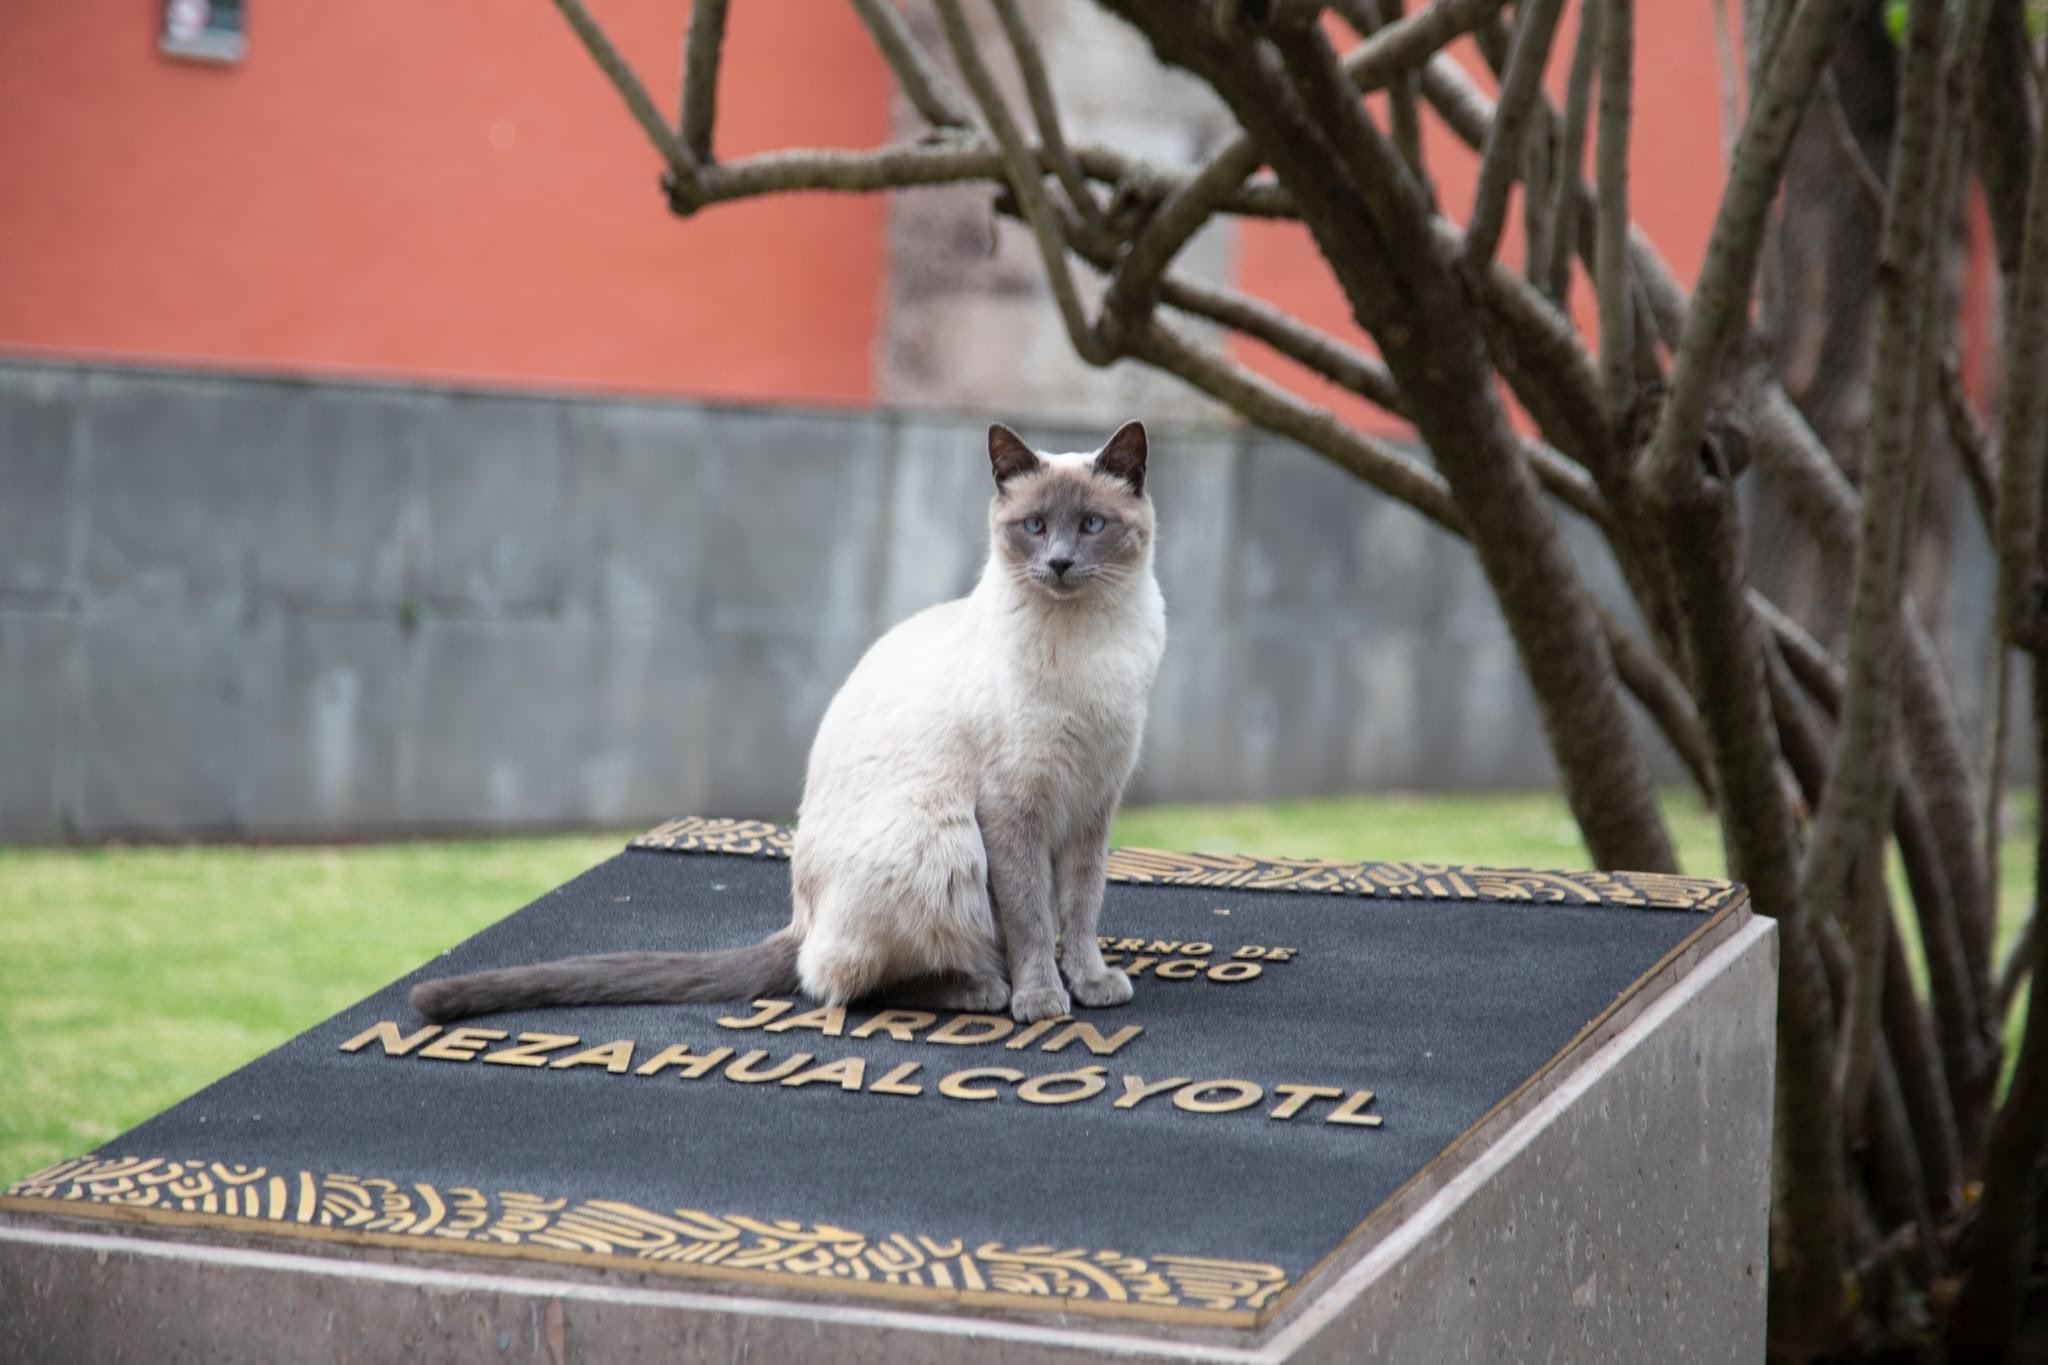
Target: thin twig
(1281,411)
(1345,366)
(1021,169)
(1535,28)
(1848,149)
(1569,173)
(1966,433)
(1045,111)
(2018,964)
(1617,305)
(1663,695)
(704,41)
(681,165)
(926,86)
(1720,299)
(1467,111)
(1731,98)
(1134,286)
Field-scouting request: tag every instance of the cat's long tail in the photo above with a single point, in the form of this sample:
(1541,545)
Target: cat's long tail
(764,968)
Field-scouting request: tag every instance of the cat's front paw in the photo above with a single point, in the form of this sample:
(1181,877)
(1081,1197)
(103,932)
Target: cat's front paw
(1103,990)
(1046,1002)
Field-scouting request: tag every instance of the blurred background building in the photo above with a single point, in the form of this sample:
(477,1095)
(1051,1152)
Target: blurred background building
(377,454)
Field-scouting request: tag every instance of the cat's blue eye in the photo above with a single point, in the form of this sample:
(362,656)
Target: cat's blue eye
(1035,525)
(1090,525)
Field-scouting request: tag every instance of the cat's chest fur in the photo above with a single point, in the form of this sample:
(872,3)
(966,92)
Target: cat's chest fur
(1069,706)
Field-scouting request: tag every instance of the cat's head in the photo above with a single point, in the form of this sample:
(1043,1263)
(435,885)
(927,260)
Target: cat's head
(1070,526)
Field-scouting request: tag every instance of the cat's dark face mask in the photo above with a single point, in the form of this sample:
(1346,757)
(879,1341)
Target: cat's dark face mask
(1068,528)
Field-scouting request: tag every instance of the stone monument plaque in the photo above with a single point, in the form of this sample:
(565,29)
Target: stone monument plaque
(1326,1066)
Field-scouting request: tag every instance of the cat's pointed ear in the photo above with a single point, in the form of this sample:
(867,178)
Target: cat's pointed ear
(1124,456)
(1008,456)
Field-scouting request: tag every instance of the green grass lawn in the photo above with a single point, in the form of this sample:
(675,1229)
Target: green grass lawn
(137,975)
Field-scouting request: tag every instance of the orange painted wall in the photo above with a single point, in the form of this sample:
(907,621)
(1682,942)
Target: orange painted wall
(445,189)
(1677,165)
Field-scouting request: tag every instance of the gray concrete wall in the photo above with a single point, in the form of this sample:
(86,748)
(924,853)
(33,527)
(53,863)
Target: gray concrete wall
(276,608)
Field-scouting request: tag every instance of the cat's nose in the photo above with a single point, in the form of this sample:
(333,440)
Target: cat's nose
(1059,567)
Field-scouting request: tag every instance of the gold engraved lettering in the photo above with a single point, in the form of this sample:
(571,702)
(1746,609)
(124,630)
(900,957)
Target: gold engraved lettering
(894,1083)
(1137,965)
(1197,949)
(614,1057)
(1091,1038)
(769,1009)
(1217,1097)
(1280,954)
(902,1025)
(1104,941)
(848,1071)
(746,1072)
(956,1087)
(1298,1098)
(1031,1034)
(1233,971)
(1180,969)
(829,1020)
(462,1045)
(1063,1087)
(1163,946)
(1130,945)
(1353,1111)
(1249,950)
(527,1051)
(386,1032)
(691,1066)
(1137,1090)
(964,1030)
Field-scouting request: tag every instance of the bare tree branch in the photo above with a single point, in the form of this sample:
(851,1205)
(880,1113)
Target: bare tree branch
(945,159)
(1568,189)
(1721,297)
(2023,436)
(1696,509)
(1535,28)
(1663,695)
(1610,261)
(1849,830)
(1426,343)
(1467,111)
(1403,116)
(1279,410)
(1724,56)
(1408,42)
(1021,170)
(1966,433)
(1045,111)
(1987,1313)
(1848,149)
(926,86)
(1134,286)
(681,165)
(2019,964)
(701,48)
(1345,366)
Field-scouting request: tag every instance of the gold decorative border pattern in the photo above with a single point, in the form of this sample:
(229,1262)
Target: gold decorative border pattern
(388,1212)
(1150,867)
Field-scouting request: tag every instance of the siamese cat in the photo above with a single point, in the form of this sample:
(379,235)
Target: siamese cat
(950,844)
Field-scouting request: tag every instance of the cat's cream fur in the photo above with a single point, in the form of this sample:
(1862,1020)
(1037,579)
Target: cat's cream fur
(956,809)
